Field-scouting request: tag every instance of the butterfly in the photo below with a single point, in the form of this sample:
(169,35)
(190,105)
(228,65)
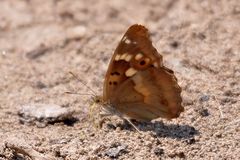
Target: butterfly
(137,85)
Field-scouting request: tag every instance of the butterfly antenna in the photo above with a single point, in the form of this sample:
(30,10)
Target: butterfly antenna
(84,94)
(75,76)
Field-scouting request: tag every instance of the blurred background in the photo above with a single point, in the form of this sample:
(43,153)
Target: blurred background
(41,41)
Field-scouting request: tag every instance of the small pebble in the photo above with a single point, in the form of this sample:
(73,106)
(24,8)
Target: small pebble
(37,52)
(204,98)
(190,141)
(116,151)
(228,93)
(204,112)
(158,151)
(40,85)
(46,113)
(76,32)
(174,44)
(179,155)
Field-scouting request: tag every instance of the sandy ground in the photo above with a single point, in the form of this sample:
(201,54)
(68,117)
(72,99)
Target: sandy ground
(41,41)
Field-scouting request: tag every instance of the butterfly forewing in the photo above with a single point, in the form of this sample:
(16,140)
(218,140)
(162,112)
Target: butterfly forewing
(135,51)
(137,84)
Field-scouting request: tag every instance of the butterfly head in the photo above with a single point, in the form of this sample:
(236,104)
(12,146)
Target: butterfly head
(97,100)
(98,103)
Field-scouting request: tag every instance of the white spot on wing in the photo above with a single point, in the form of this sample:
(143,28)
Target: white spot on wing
(147,60)
(128,57)
(117,57)
(155,64)
(127,41)
(130,72)
(123,56)
(138,56)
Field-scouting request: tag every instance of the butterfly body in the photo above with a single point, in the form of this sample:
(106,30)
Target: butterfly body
(137,85)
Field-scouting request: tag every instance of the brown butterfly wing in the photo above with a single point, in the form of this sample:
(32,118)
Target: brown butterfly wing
(137,84)
(136,41)
(149,94)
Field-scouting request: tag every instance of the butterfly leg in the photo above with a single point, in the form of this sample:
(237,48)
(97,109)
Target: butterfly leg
(108,111)
(133,125)
(99,118)
(103,116)
(102,121)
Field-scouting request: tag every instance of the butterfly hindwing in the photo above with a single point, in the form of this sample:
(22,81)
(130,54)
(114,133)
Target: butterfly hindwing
(149,94)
